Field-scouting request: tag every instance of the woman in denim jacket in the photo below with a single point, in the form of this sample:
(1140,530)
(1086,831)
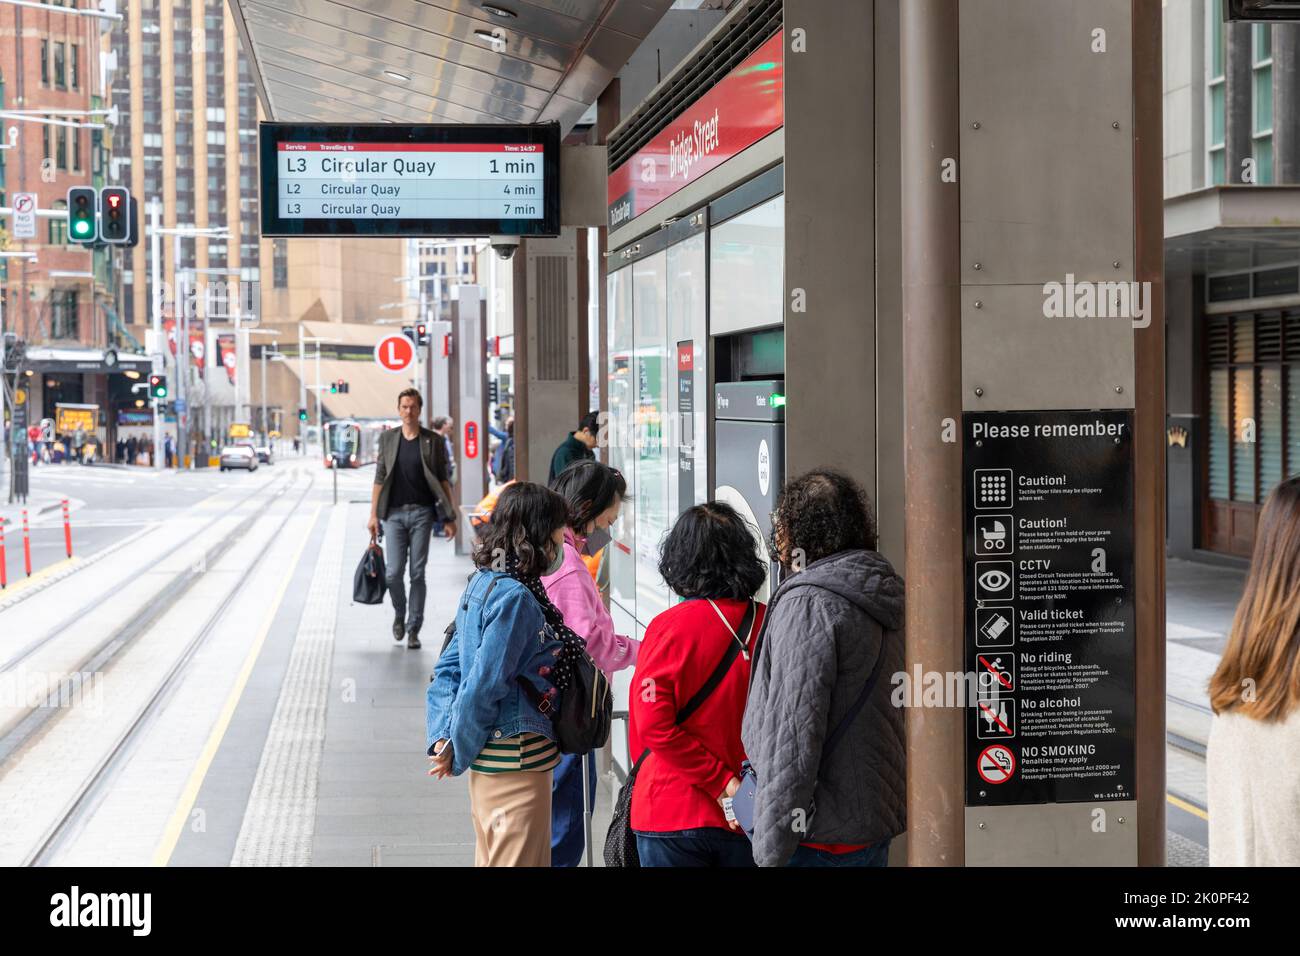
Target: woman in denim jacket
(479,718)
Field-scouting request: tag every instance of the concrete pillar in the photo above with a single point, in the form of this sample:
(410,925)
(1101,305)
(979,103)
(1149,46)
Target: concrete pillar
(931,219)
(1183,324)
(1286,103)
(1237,109)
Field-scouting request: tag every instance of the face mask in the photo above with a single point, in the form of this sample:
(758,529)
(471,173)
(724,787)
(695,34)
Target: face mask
(598,538)
(556,561)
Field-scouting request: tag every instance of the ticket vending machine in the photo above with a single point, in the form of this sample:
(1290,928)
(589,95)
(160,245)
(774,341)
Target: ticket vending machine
(749,456)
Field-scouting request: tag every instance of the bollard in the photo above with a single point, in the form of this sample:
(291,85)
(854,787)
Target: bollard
(27,546)
(67,529)
(4,565)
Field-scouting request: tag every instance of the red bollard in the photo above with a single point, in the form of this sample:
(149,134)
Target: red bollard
(4,565)
(67,529)
(27,545)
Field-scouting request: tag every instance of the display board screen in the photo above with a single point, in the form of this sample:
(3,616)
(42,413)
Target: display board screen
(416,181)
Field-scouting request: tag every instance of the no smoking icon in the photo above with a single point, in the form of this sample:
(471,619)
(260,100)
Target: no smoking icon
(996,764)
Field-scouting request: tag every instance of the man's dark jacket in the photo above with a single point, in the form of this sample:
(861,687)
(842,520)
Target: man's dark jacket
(433,456)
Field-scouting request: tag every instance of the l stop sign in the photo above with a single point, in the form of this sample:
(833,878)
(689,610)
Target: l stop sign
(394,353)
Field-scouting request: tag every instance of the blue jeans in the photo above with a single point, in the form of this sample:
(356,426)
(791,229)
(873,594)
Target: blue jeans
(407,532)
(567,841)
(703,846)
(875,855)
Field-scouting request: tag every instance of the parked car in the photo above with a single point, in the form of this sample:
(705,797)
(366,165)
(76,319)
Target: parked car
(263,454)
(238,456)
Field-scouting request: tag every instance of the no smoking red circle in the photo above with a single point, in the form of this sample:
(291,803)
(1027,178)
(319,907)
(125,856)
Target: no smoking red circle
(395,353)
(996,764)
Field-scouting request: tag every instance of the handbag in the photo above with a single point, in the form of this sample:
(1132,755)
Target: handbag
(742,801)
(620,841)
(370,582)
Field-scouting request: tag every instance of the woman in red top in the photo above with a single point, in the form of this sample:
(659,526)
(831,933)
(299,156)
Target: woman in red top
(708,558)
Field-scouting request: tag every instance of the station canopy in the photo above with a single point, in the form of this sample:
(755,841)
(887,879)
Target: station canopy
(439,61)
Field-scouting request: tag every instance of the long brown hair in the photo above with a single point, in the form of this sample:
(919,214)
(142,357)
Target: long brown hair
(1259,673)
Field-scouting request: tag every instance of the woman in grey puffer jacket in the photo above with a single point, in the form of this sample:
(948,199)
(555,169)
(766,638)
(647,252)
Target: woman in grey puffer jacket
(834,625)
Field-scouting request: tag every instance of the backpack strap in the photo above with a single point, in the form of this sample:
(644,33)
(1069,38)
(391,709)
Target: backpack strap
(451,628)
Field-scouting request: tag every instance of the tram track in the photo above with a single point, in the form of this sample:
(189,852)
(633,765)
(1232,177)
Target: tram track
(106,767)
(71,620)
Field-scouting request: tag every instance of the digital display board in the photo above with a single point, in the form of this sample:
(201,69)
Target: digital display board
(410,180)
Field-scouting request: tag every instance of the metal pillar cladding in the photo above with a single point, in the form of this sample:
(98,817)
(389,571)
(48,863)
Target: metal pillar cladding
(547,367)
(1059,257)
(439,377)
(932,401)
(469,319)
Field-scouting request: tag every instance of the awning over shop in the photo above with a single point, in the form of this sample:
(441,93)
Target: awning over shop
(1232,227)
(47,358)
(441,61)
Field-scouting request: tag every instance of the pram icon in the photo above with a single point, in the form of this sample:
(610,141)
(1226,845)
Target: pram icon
(993,537)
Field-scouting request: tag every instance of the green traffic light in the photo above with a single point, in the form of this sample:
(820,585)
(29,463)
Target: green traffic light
(82,227)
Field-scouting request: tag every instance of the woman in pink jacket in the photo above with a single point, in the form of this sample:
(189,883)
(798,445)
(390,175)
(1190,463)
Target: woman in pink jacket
(594,493)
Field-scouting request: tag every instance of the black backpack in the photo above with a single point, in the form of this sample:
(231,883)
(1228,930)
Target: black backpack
(586,708)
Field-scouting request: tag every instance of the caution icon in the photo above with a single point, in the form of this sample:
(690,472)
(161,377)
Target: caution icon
(996,764)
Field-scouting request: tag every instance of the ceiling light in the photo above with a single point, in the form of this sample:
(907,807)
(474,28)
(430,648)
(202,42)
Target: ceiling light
(400,77)
(501,12)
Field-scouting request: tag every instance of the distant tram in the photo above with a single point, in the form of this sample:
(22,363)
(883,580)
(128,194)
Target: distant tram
(353,443)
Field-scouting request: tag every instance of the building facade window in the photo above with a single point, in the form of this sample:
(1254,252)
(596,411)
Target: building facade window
(63,314)
(45,63)
(60,72)
(1261,60)
(1253,415)
(280,263)
(58,228)
(76,150)
(61,147)
(76,66)
(1216,93)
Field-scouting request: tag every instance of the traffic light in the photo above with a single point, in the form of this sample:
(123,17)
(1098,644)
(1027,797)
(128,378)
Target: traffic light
(342,386)
(302,414)
(81,215)
(115,214)
(422,334)
(409,332)
(135,224)
(334,388)
(494,392)
(158,387)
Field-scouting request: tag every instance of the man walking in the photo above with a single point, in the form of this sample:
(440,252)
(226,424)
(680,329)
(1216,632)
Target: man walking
(578,446)
(412,491)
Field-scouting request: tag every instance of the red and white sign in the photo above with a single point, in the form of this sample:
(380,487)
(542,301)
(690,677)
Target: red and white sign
(394,353)
(743,107)
(24,216)
(471,439)
(685,356)
(996,764)
(226,348)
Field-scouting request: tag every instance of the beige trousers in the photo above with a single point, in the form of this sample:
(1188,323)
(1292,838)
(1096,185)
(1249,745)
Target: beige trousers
(512,817)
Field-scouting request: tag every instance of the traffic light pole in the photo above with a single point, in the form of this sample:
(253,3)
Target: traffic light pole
(159,357)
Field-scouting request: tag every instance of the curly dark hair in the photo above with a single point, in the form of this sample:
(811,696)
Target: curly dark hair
(710,553)
(820,513)
(525,517)
(589,488)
